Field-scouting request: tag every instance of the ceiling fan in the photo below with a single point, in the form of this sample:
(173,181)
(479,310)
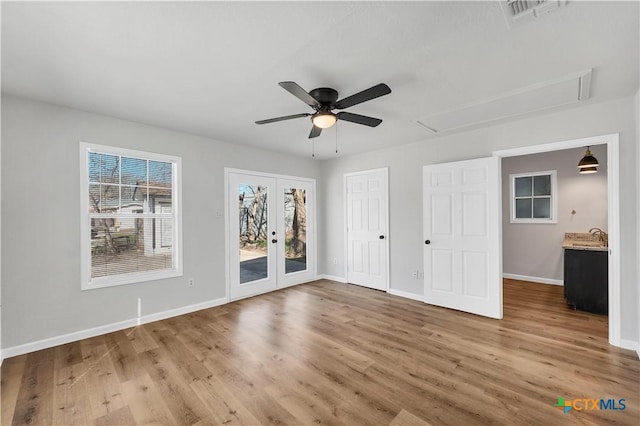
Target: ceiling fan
(324,100)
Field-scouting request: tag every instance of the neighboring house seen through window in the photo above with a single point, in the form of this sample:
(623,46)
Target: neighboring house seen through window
(533,197)
(130,209)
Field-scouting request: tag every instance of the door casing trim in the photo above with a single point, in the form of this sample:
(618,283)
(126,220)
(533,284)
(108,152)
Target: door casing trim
(613,212)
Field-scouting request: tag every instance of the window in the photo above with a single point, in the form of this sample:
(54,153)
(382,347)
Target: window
(533,197)
(131,229)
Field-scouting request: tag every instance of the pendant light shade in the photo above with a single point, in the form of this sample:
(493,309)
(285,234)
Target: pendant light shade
(588,163)
(588,170)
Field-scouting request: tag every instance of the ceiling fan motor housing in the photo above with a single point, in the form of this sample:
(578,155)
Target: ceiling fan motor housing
(325,95)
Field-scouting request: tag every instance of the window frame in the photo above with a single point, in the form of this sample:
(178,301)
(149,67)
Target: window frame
(553,207)
(89,283)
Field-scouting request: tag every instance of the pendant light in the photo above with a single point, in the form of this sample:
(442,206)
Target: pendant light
(588,163)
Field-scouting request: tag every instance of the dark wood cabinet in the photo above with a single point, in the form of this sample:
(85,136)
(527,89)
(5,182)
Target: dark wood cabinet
(586,275)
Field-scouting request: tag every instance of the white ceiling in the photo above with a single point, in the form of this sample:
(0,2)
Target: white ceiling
(212,68)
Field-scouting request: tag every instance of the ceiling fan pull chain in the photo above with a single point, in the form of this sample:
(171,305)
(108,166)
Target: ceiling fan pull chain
(313,148)
(336,137)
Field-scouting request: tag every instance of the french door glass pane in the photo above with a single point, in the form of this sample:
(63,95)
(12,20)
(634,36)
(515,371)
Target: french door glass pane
(252,220)
(295,230)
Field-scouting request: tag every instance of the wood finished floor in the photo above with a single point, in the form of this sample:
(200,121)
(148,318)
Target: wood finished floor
(329,353)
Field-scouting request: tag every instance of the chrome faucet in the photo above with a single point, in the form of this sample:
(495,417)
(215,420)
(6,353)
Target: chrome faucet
(602,236)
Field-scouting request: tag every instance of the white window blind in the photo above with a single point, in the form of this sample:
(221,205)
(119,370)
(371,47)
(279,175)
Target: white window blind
(130,207)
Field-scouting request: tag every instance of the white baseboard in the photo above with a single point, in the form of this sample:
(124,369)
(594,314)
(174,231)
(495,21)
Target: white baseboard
(108,328)
(407,295)
(532,279)
(183,310)
(630,344)
(67,338)
(332,278)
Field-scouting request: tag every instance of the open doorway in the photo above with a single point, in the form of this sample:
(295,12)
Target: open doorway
(543,242)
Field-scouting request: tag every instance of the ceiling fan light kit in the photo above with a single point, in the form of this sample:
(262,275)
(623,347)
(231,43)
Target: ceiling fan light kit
(324,100)
(324,120)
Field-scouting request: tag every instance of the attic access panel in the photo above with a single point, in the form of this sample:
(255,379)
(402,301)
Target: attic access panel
(571,89)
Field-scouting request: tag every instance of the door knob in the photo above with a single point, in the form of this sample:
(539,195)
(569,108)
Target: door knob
(381,237)
(427,242)
(274,241)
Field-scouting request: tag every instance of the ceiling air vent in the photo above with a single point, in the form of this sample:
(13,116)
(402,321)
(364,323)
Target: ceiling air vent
(521,11)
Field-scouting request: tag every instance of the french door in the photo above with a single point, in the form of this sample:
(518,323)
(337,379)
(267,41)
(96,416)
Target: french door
(271,232)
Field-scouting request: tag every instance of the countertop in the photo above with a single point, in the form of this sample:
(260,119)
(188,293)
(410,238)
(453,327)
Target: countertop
(584,241)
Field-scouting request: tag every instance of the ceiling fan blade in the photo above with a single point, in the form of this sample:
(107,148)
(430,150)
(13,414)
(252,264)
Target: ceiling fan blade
(286,117)
(315,132)
(366,95)
(299,93)
(357,118)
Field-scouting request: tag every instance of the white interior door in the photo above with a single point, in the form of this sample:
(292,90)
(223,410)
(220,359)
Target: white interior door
(367,229)
(252,234)
(462,215)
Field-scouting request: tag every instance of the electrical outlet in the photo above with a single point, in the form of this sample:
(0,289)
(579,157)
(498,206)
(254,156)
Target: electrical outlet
(414,275)
(190,282)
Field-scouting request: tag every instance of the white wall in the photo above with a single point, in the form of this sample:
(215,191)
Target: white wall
(40,188)
(405,168)
(40,219)
(535,249)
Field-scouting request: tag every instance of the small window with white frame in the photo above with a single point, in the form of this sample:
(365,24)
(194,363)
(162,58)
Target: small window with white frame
(131,226)
(533,197)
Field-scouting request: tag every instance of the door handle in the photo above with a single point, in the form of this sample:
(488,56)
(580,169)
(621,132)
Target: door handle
(274,241)
(381,237)
(427,242)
